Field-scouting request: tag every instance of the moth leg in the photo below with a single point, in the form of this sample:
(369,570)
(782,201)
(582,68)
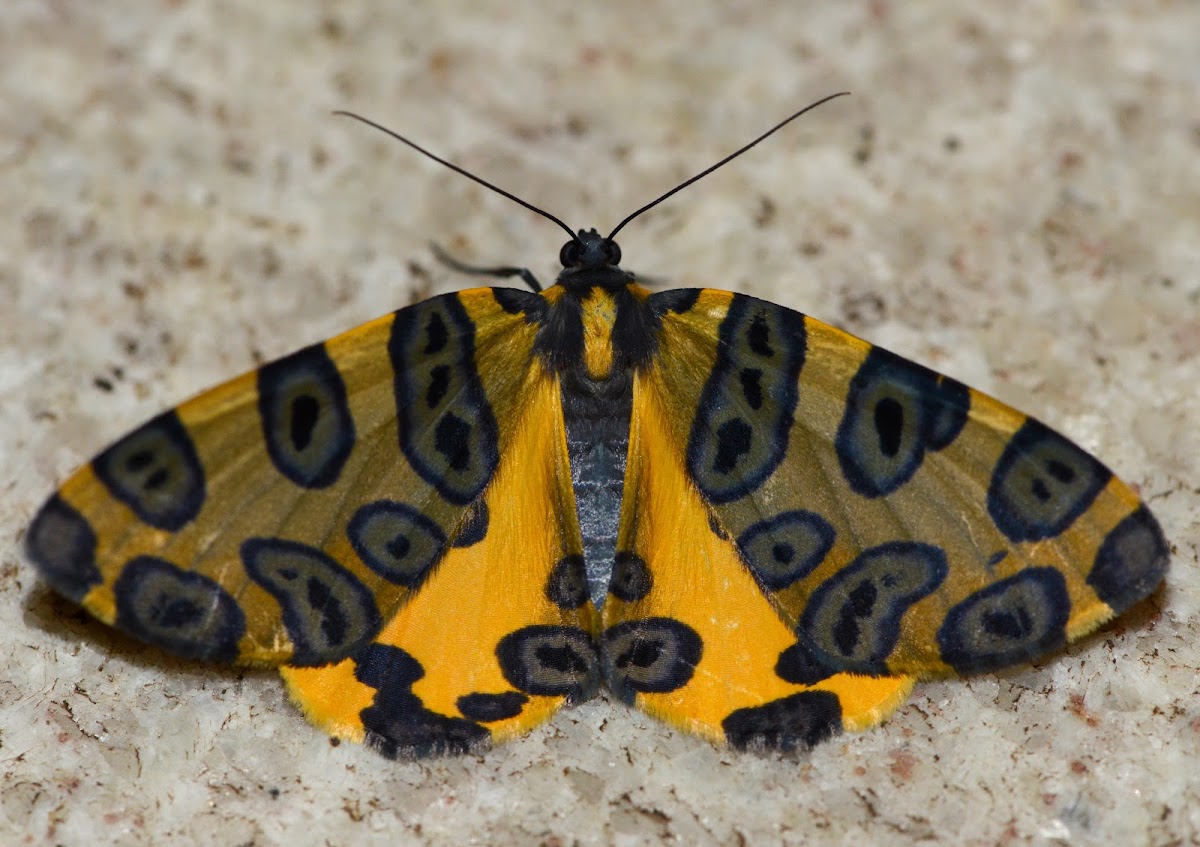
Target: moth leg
(499,272)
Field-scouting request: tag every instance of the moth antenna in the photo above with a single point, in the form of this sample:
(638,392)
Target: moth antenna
(728,158)
(459,170)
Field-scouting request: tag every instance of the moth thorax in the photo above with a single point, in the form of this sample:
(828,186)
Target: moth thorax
(599,314)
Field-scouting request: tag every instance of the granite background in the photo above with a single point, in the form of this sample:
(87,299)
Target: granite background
(1010,196)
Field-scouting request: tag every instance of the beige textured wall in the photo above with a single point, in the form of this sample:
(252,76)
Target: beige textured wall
(1010,197)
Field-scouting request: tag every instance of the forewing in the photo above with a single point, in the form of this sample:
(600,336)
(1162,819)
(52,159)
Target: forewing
(287,515)
(897,521)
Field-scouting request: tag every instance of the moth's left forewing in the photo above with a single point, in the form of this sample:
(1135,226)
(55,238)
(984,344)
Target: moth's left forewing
(895,522)
(286,515)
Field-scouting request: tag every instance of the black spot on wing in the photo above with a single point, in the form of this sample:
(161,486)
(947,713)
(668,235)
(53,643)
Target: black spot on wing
(1014,620)
(740,432)
(631,579)
(447,428)
(1042,483)
(517,301)
(551,661)
(439,386)
(567,586)
(61,544)
(799,721)
(487,708)
(735,437)
(395,541)
(437,336)
(155,472)
(327,612)
(474,526)
(677,300)
(799,665)
(181,611)
(305,417)
(852,620)
(397,723)
(650,655)
(715,526)
(1131,561)
(786,547)
(896,410)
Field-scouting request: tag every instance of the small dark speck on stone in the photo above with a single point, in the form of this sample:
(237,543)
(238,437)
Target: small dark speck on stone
(766,212)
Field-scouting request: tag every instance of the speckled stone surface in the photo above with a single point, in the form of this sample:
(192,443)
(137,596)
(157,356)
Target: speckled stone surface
(1010,196)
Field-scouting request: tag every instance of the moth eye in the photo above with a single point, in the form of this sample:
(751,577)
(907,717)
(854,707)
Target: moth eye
(612,252)
(569,254)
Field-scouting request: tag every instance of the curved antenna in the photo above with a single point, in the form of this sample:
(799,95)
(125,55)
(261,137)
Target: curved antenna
(732,155)
(459,170)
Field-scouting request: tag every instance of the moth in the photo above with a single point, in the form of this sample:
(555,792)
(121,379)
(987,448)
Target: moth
(448,523)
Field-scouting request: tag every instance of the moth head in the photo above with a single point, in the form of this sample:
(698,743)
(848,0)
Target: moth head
(589,250)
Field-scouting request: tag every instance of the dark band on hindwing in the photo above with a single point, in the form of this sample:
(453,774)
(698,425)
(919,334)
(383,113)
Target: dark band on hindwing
(447,428)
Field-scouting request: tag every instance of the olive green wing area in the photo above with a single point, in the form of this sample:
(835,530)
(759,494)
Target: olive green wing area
(899,522)
(284,516)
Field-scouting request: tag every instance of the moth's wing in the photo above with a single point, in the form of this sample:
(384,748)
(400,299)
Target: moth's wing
(898,523)
(285,516)
(501,633)
(689,636)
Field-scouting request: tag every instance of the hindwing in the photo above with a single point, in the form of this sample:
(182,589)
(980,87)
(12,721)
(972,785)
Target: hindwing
(499,636)
(689,635)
